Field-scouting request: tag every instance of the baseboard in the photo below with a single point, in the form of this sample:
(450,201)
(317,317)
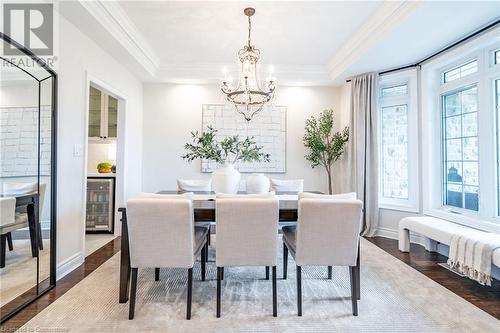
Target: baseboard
(68,265)
(394,234)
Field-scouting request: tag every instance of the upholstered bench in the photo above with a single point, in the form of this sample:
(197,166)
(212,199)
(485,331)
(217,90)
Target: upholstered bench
(435,230)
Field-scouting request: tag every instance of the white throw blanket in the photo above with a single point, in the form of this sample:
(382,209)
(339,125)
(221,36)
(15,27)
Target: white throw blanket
(471,254)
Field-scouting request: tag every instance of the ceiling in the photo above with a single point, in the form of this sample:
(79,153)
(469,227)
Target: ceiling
(305,42)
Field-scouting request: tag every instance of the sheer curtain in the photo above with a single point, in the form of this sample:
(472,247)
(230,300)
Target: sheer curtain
(363,147)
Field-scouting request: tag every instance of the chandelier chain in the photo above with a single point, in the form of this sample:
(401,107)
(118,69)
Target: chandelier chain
(249,31)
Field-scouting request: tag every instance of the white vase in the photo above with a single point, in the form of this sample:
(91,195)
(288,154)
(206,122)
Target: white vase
(226,179)
(257,183)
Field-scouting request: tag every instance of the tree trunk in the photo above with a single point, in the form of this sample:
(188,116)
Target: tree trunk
(329,173)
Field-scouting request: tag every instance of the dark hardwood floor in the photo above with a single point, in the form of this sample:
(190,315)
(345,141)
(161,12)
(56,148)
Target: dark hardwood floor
(484,297)
(92,262)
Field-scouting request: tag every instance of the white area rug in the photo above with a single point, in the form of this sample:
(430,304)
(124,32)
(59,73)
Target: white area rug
(394,298)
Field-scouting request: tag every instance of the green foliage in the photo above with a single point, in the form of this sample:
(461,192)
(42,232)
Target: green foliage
(229,150)
(325,146)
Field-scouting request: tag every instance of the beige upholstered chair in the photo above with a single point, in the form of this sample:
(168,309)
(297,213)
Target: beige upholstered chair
(348,195)
(194,185)
(247,229)
(21,218)
(162,234)
(327,234)
(7,219)
(287,185)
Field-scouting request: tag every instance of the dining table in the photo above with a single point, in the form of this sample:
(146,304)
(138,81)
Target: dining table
(204,211)
(28,202)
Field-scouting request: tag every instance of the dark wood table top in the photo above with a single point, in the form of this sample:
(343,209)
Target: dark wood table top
(22,199)
(209,204)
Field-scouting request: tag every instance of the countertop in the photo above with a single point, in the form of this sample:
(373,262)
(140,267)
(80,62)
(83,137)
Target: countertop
(102,175)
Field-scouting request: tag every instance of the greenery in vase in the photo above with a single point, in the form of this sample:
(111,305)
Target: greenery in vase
(325,146)
(205,146)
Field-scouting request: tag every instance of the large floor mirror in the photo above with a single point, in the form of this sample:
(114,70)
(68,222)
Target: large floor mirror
(27,179)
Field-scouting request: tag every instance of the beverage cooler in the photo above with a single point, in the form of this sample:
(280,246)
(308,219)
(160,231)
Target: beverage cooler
(100,205)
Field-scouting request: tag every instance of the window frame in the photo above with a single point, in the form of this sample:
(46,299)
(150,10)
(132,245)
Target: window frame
(432,90)
(410,99)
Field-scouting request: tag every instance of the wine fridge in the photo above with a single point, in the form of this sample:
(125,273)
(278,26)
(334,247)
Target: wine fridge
(100,205)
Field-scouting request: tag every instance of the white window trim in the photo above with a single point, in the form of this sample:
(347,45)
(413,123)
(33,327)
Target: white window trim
(432,90)
(408,77)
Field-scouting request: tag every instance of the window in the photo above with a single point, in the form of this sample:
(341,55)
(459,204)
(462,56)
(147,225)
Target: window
(395,91)
(395,151)
(460,148)
(460,134)
(398,139)
(460,71)
(496,57)
(497,108)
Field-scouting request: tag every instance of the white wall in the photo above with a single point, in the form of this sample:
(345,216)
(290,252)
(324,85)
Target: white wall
(78,56)
(98,153)
(172,111)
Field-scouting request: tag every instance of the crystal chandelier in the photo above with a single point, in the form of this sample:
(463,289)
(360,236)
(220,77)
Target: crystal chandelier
(248,97)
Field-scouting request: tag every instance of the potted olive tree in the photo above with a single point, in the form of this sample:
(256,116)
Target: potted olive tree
(226,153)
(325,146)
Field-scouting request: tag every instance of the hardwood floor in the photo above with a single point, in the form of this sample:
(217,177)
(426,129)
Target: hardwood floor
(92,262)
(484,297)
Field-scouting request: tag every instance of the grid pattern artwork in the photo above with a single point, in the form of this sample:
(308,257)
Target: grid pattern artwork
(460,147)
(19,141)
(395,151)
(268,128)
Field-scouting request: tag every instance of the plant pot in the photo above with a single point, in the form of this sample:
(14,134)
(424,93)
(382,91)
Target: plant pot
(257,183)
(226,179)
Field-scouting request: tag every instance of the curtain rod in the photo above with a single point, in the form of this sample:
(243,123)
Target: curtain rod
(445,49)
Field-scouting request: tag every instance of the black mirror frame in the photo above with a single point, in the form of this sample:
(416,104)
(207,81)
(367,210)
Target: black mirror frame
(11,311)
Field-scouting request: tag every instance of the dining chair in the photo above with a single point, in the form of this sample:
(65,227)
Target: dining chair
(7,221)
(162,234)
(347,195)
(327,234)
(247,228)
(194,185)
(21,220)
(287,185)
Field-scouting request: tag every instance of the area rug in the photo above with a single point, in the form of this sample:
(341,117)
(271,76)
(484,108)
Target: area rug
(394,298)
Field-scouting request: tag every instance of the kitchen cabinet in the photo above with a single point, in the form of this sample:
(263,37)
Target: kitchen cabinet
(103,116)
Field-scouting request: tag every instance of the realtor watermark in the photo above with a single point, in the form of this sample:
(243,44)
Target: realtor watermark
(33,26)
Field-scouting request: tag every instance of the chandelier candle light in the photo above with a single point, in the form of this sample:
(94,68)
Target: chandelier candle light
(248,97)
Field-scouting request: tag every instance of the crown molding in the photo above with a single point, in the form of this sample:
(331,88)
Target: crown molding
(387,17)
(212,73)
(114,19)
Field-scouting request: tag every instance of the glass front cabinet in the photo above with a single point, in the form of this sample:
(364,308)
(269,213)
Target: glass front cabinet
(103,111)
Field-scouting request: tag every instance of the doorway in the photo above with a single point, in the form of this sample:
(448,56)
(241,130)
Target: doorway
(103,188)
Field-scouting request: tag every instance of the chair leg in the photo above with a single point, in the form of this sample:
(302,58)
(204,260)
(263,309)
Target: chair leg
(275,297)
(285,261)
(208,236)
(40,237)
(219,278)
(267,272)
(354,298)
(157,274)
(299,291)
(133,292)
(189,293)
(222,273)
(358,276)
(9,241)
(203,258)
(206,252)
(330,272)
(3,244)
